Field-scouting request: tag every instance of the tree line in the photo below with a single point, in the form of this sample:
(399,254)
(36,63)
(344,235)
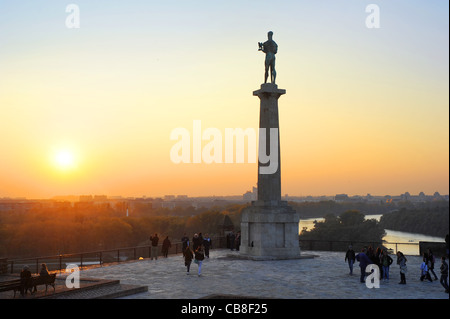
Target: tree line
(44,232)
(433,221)
(350,226)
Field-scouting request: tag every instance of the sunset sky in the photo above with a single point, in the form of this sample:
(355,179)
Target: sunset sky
(90,110)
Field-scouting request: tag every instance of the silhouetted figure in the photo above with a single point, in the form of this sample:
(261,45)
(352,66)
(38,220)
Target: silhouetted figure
(188,256)
(444,274)
(25,280)
(364,261)
(154,249)
(401,261)
(207,243)
(350,258)
(270,48)
(184,241)
(165,246)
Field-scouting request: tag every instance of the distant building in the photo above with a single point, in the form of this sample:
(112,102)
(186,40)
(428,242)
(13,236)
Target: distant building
(341,197)
(251,196)
(86,198)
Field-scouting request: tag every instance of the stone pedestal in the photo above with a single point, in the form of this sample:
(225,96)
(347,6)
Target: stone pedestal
(269,227)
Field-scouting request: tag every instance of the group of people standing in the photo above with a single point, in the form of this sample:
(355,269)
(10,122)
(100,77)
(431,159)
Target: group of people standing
(154,246)
(382,259)
(234,240)
(367,257)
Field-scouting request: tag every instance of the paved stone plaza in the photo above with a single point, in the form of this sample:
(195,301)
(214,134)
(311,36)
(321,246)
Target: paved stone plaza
(323,277)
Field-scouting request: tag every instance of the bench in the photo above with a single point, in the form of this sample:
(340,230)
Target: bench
(16,284)
(43,280)
(10,285)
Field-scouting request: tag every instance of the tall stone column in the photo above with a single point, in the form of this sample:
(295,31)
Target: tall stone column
(269,227)
(269,185)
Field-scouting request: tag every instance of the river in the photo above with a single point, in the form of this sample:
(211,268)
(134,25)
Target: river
(408,243)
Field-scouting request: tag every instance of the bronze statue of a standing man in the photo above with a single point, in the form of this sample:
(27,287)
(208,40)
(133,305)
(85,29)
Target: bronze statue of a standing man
(270,48)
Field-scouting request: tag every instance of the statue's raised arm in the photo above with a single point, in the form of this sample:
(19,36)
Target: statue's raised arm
(270,48)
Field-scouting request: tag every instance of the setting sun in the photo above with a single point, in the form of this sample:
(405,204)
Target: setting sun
(64,159)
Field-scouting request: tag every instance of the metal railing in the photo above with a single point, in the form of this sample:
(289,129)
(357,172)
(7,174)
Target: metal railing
(98,258)
(336,245)
(94,258)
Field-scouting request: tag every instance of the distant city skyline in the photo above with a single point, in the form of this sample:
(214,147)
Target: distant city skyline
(88,102)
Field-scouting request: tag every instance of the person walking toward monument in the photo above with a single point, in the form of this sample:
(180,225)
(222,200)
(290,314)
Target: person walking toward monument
(401,261)
(165,246)
(199,255)
(364,261)
(188,256)
(350,258)
(185,242)
(154,249)
(444,274)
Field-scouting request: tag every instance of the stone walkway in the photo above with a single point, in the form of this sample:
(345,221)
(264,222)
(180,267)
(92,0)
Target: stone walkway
(323,277)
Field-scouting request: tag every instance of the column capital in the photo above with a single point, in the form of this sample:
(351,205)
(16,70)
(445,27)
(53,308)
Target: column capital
(269,88)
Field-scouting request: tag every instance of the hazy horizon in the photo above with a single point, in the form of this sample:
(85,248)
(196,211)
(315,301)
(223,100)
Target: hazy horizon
(90,110)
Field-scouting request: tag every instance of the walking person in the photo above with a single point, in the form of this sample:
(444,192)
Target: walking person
(165,246)
(424,269)
(196,241)
(350,258)
(199,255)
(188,256)
(386,261)
(364,261)
(185,242)
(401,261)
(430,263)
(207,243)
(444,274)
(154,249)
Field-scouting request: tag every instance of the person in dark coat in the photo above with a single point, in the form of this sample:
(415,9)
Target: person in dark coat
(25,280)
(188,256)
(401,261)
(207,244)
(154,250)
(364,261)
(350,258)
(165,246)
(196,241)
(185,241)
